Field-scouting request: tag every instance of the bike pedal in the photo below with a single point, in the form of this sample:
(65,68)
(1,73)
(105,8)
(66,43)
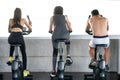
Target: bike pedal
(92,67)
(29,77)
(9,63)
(54,78)
(68,77)
(88,77)
(1,76)
(68,63)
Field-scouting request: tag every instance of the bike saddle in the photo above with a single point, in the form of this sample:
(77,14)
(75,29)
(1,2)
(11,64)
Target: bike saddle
(15,44)
(60,40)
(101,45)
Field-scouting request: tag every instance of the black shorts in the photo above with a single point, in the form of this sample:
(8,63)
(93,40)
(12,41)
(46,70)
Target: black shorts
(16,38)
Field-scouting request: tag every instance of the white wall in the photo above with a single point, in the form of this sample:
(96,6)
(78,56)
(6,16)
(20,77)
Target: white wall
(77,10)
(39,54)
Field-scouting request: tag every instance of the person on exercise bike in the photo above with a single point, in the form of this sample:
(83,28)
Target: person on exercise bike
(62,29)
(98,25)
(15,29)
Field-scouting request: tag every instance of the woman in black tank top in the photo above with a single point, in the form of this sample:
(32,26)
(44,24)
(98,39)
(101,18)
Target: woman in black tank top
(15,28)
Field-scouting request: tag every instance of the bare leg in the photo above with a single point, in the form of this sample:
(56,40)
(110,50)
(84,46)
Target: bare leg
(91,52)
(54,59)
(68,49)
(68,59)
(106,55)
(92,62)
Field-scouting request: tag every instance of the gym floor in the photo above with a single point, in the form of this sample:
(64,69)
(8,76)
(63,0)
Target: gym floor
(45,76)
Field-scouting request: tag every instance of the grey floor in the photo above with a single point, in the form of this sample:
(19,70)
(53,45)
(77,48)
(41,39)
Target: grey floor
(75,76)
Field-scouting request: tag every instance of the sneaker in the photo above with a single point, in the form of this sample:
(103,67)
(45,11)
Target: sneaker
(10,59)
(69,60)
(93,64)
(53,74)
(107,67)
(26,73)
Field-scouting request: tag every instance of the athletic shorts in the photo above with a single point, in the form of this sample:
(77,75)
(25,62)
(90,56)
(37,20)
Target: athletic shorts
(99,40)
(55,43)
(16,38)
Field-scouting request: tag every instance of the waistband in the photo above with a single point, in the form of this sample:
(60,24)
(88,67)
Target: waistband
(100,36)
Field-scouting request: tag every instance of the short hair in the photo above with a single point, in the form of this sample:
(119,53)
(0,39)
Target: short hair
(58,10)
(95,12)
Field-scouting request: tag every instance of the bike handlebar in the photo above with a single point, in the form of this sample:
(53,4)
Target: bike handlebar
(52,32)
(28,17)
(89,32)
(26,32)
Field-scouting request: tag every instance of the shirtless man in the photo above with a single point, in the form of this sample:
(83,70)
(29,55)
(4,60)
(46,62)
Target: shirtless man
(99,27)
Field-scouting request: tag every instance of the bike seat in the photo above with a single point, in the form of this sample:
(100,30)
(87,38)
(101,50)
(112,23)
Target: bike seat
(61,40)
(101,45)
(15,44)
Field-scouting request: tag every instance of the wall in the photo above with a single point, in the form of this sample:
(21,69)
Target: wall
(39,54)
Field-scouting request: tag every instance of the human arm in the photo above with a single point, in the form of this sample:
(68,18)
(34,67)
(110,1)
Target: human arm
(9,30)
(68,24)
(51,24)
(107,26)
(29,25)
(88,27)
(9,25)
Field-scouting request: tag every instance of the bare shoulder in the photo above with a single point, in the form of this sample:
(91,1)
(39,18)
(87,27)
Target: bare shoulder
(23,19)
(51,18)
(66,18)
(11,19)
(90,19)
(104,18)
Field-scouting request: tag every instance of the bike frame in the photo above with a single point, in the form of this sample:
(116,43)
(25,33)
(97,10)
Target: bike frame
(17,69)
(61,64)
(99,71)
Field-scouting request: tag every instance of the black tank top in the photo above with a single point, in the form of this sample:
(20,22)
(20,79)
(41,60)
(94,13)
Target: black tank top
(16,25)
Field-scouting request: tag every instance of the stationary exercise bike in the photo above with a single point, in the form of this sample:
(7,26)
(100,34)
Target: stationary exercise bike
(99,72)
(61,63)
(17,65)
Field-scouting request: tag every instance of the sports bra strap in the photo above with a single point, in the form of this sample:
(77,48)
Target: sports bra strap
(16,25)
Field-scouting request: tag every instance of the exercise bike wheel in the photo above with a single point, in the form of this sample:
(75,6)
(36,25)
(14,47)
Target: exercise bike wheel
(96,74)
(60,72)
(17,70)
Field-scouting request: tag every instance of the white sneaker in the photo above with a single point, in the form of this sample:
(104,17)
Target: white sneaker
(69,60)
(53,74)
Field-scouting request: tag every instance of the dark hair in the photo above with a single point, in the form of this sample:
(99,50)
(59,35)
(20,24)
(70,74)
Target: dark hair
(95,12)
(58,10)
(17,15)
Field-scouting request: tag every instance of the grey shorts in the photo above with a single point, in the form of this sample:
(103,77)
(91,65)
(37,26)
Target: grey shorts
(55,43)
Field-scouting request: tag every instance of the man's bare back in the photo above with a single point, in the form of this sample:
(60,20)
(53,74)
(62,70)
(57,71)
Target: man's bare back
(98,25)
